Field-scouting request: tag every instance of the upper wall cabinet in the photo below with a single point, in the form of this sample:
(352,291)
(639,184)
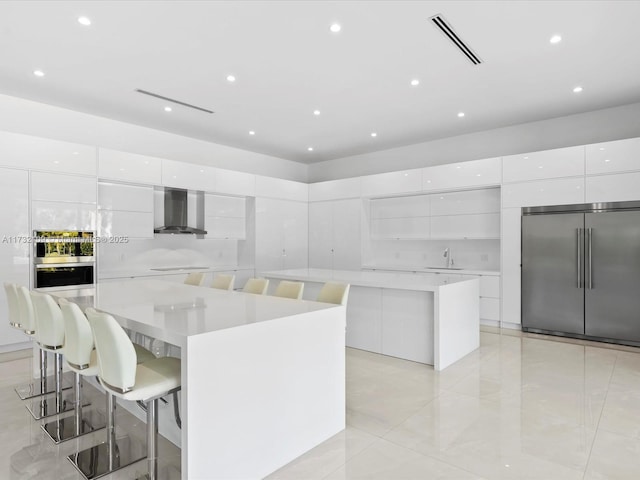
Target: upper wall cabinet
(463,174)
(561,191)
(235,183)
(613,188)
(405,181)
(25,151)
(129,167)
(54,187)
(225,216)
(188,175)
(399,207)
(270,187)
(561,162)
(335,189)
(610,157)
(486,200)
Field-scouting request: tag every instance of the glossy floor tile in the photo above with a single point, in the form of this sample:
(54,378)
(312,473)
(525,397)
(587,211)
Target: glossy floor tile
(520,407)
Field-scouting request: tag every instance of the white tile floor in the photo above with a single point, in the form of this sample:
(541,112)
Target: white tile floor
(521,407)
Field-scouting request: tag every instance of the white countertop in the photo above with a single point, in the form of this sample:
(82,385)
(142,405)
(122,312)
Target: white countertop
(401,281)
(419,269)
(172,312)
(138,271)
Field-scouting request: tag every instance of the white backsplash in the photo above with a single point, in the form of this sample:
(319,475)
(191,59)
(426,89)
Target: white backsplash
(168,251)
(468,254)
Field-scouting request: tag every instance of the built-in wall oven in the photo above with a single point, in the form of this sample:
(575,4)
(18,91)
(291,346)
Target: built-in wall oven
(63,258)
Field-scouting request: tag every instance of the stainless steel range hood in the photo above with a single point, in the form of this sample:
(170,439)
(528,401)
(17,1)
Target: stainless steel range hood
(183,212)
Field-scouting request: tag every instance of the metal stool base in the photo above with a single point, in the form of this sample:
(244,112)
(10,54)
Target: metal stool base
(68,428)
(33,390)
(94,462)
(46,407)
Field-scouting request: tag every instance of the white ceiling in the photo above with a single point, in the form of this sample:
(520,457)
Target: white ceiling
(287,64)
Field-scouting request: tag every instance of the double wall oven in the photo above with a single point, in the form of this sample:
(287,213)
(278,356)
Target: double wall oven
(63,258)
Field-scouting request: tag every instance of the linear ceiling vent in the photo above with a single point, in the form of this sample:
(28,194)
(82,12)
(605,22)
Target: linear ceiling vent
(451,34)
(173,100)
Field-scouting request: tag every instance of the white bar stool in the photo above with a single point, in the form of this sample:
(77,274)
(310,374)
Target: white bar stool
(121,377)
(289,289)
(195,279)
(334,292)
(12,305)
(81,359)
(50,338)
(28,323)
(258,286)
(223,281)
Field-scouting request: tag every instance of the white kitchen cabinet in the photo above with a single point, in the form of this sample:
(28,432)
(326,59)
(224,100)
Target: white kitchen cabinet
(613,188)
(490,309)
(486,200)
(400,207)
(129,167)
(118,226)
(560,162)
(270,187)
(404,181)
(57,187)
(335,189)
(334,234)
(401,228)
(235,183)
(125,211)
(225,217)
(364,319)
(35,153)
(63,216)
(563,191)
(483,225)
(282,234)
(613,157)
(511,260)
(118,196)
(475,173)
(401,326)
(188,176)
(15,248)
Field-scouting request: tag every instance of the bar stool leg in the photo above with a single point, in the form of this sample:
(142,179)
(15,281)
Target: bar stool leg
(57,359)
(111,431)
(40,387)
(152,438)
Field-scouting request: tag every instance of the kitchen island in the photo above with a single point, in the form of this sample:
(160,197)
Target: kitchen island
(424,318)
(263,378)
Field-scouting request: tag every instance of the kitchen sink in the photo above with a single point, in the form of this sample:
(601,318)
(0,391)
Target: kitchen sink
(444,268)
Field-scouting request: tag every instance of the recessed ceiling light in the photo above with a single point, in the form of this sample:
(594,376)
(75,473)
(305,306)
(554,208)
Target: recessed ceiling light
(251,132)
(555,39)
(607,160)
(374,134)
(310,149)
(56,161)
(478,174)
(316,112)
(231,78)
(201,171)
(335,27)
(86,21)
(577,89)
(415,82)
(460,114)
(38,73)
(76,153)
(122,169)
(167,109)
(601,148)
(458,167)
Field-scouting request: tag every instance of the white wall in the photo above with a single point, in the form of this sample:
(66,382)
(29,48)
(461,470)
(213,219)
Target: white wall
(32,118)
(584,128)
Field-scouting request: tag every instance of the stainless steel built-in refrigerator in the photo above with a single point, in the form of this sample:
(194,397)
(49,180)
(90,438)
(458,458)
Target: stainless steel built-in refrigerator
(581,270)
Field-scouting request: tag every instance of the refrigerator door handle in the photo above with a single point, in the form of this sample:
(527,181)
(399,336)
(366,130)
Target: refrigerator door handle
(579,232)
(589,258)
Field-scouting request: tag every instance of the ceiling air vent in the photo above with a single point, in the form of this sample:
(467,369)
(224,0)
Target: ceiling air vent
(173,100)
(451,34)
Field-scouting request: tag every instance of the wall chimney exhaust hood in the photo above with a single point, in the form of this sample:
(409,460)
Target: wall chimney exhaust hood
(183,211)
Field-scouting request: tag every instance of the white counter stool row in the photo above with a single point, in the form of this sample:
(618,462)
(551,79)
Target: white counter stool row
(121,376)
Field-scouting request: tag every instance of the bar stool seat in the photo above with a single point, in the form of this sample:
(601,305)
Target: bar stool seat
(121,377)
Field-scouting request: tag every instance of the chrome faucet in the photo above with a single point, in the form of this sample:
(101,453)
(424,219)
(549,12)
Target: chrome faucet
(447,254)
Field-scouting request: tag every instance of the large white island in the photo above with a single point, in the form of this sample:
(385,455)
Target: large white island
(263,378)
(425,318)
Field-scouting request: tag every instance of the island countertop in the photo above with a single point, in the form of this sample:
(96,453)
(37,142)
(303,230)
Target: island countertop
(399,281)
